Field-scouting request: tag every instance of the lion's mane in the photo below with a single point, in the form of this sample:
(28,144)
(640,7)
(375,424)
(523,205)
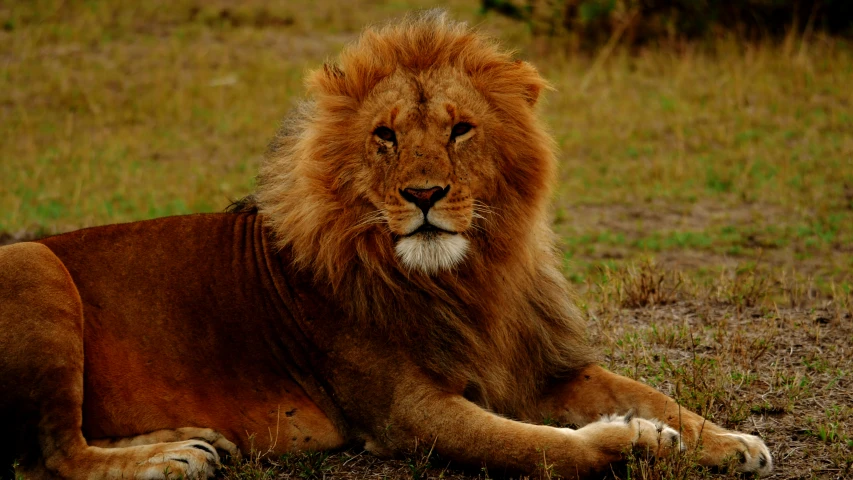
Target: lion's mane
(502,322)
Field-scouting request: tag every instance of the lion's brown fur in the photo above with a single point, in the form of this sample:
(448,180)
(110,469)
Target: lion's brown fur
(509,296)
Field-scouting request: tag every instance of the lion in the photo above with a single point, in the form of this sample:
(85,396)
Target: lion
(392,280)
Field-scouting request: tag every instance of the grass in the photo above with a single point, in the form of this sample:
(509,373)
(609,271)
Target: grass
(704,206)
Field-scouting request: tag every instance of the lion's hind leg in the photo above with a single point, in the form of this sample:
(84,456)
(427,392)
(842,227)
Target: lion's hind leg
(41,374)
(207,435)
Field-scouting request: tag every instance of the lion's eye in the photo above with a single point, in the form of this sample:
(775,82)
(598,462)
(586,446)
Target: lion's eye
(386,134)
(460,129)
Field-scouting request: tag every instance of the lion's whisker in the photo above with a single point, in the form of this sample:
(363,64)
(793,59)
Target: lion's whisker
(481,207)
(374,217)
(478,228)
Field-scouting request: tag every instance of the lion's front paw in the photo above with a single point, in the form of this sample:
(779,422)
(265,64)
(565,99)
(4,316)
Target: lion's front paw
(650,436)
(751,453)
(622,432)
(656,437)
(192,459)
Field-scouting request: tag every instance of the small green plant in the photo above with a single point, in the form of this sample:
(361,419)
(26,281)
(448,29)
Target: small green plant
(305,465)
(745,287)
(419,463)
(545,469)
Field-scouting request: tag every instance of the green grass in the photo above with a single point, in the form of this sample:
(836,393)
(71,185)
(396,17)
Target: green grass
(115,114)
(704,204)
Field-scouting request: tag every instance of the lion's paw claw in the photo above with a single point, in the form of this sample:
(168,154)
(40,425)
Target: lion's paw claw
(191,459)
(753,454)
(214,438)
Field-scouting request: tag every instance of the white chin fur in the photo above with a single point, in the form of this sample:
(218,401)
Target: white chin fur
(431,253)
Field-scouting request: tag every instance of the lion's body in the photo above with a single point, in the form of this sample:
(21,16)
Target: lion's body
(159,313)
(139,281)
(392,281)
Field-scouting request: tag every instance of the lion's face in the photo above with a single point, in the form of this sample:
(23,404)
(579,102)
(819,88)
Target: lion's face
(419,149)
(427,161)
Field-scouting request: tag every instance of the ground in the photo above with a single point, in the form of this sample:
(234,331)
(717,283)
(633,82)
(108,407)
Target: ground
(704,205)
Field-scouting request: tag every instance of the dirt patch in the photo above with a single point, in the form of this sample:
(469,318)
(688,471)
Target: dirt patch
(638,219)
(706,236)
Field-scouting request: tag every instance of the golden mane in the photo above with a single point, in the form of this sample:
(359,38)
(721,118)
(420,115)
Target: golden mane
(510,288)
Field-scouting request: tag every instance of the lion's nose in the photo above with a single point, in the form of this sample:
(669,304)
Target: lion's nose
(424,198)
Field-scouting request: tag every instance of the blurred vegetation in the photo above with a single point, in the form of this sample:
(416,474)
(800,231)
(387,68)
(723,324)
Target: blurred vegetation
(704,159)
(588,23)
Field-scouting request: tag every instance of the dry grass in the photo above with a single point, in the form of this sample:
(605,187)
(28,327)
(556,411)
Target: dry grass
(705,202)
(638,286)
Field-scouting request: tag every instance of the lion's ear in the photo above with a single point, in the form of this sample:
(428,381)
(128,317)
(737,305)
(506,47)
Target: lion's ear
(532,82)
(330,80)
(354,78)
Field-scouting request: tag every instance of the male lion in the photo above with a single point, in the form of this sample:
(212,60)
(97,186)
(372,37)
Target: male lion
(392,280)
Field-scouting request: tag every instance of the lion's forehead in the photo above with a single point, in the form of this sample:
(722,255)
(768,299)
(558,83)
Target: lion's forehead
(408,100)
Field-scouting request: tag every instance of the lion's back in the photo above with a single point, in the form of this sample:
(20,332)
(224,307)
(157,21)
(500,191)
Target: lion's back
(178,311)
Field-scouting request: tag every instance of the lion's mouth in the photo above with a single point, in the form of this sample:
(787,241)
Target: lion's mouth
(429,230)
(431,249)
